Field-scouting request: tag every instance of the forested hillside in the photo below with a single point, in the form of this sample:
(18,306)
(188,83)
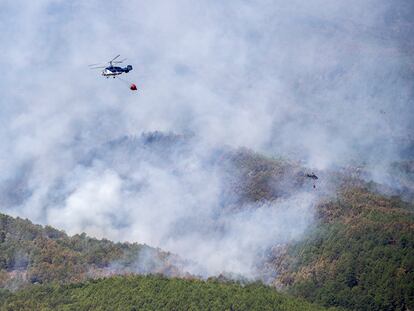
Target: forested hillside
(360,255)
(357,254)
(34,254)
(152,293)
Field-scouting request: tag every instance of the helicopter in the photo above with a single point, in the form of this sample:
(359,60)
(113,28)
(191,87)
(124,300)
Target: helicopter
(111,70)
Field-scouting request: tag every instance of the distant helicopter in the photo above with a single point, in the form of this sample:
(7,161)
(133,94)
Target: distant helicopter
(113,71)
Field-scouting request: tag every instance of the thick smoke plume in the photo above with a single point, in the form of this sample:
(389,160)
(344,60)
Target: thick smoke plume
(328,83)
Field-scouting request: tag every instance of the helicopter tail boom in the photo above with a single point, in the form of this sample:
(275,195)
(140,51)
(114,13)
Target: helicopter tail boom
(128,68)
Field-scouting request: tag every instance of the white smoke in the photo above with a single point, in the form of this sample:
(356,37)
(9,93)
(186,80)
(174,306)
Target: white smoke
(325,82)
(176,204)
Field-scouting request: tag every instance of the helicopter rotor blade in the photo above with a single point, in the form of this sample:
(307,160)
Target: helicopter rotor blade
(91,65)
(114,58)
(119,61)
(100,67)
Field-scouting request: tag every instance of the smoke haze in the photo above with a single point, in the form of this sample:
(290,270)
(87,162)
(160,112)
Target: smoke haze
(328,83)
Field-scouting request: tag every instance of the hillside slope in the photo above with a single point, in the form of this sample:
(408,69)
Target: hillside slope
(34,254)
(152,293)
(357,254)
(360,254)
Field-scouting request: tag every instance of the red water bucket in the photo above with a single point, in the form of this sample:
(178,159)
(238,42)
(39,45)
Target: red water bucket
(133,87)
